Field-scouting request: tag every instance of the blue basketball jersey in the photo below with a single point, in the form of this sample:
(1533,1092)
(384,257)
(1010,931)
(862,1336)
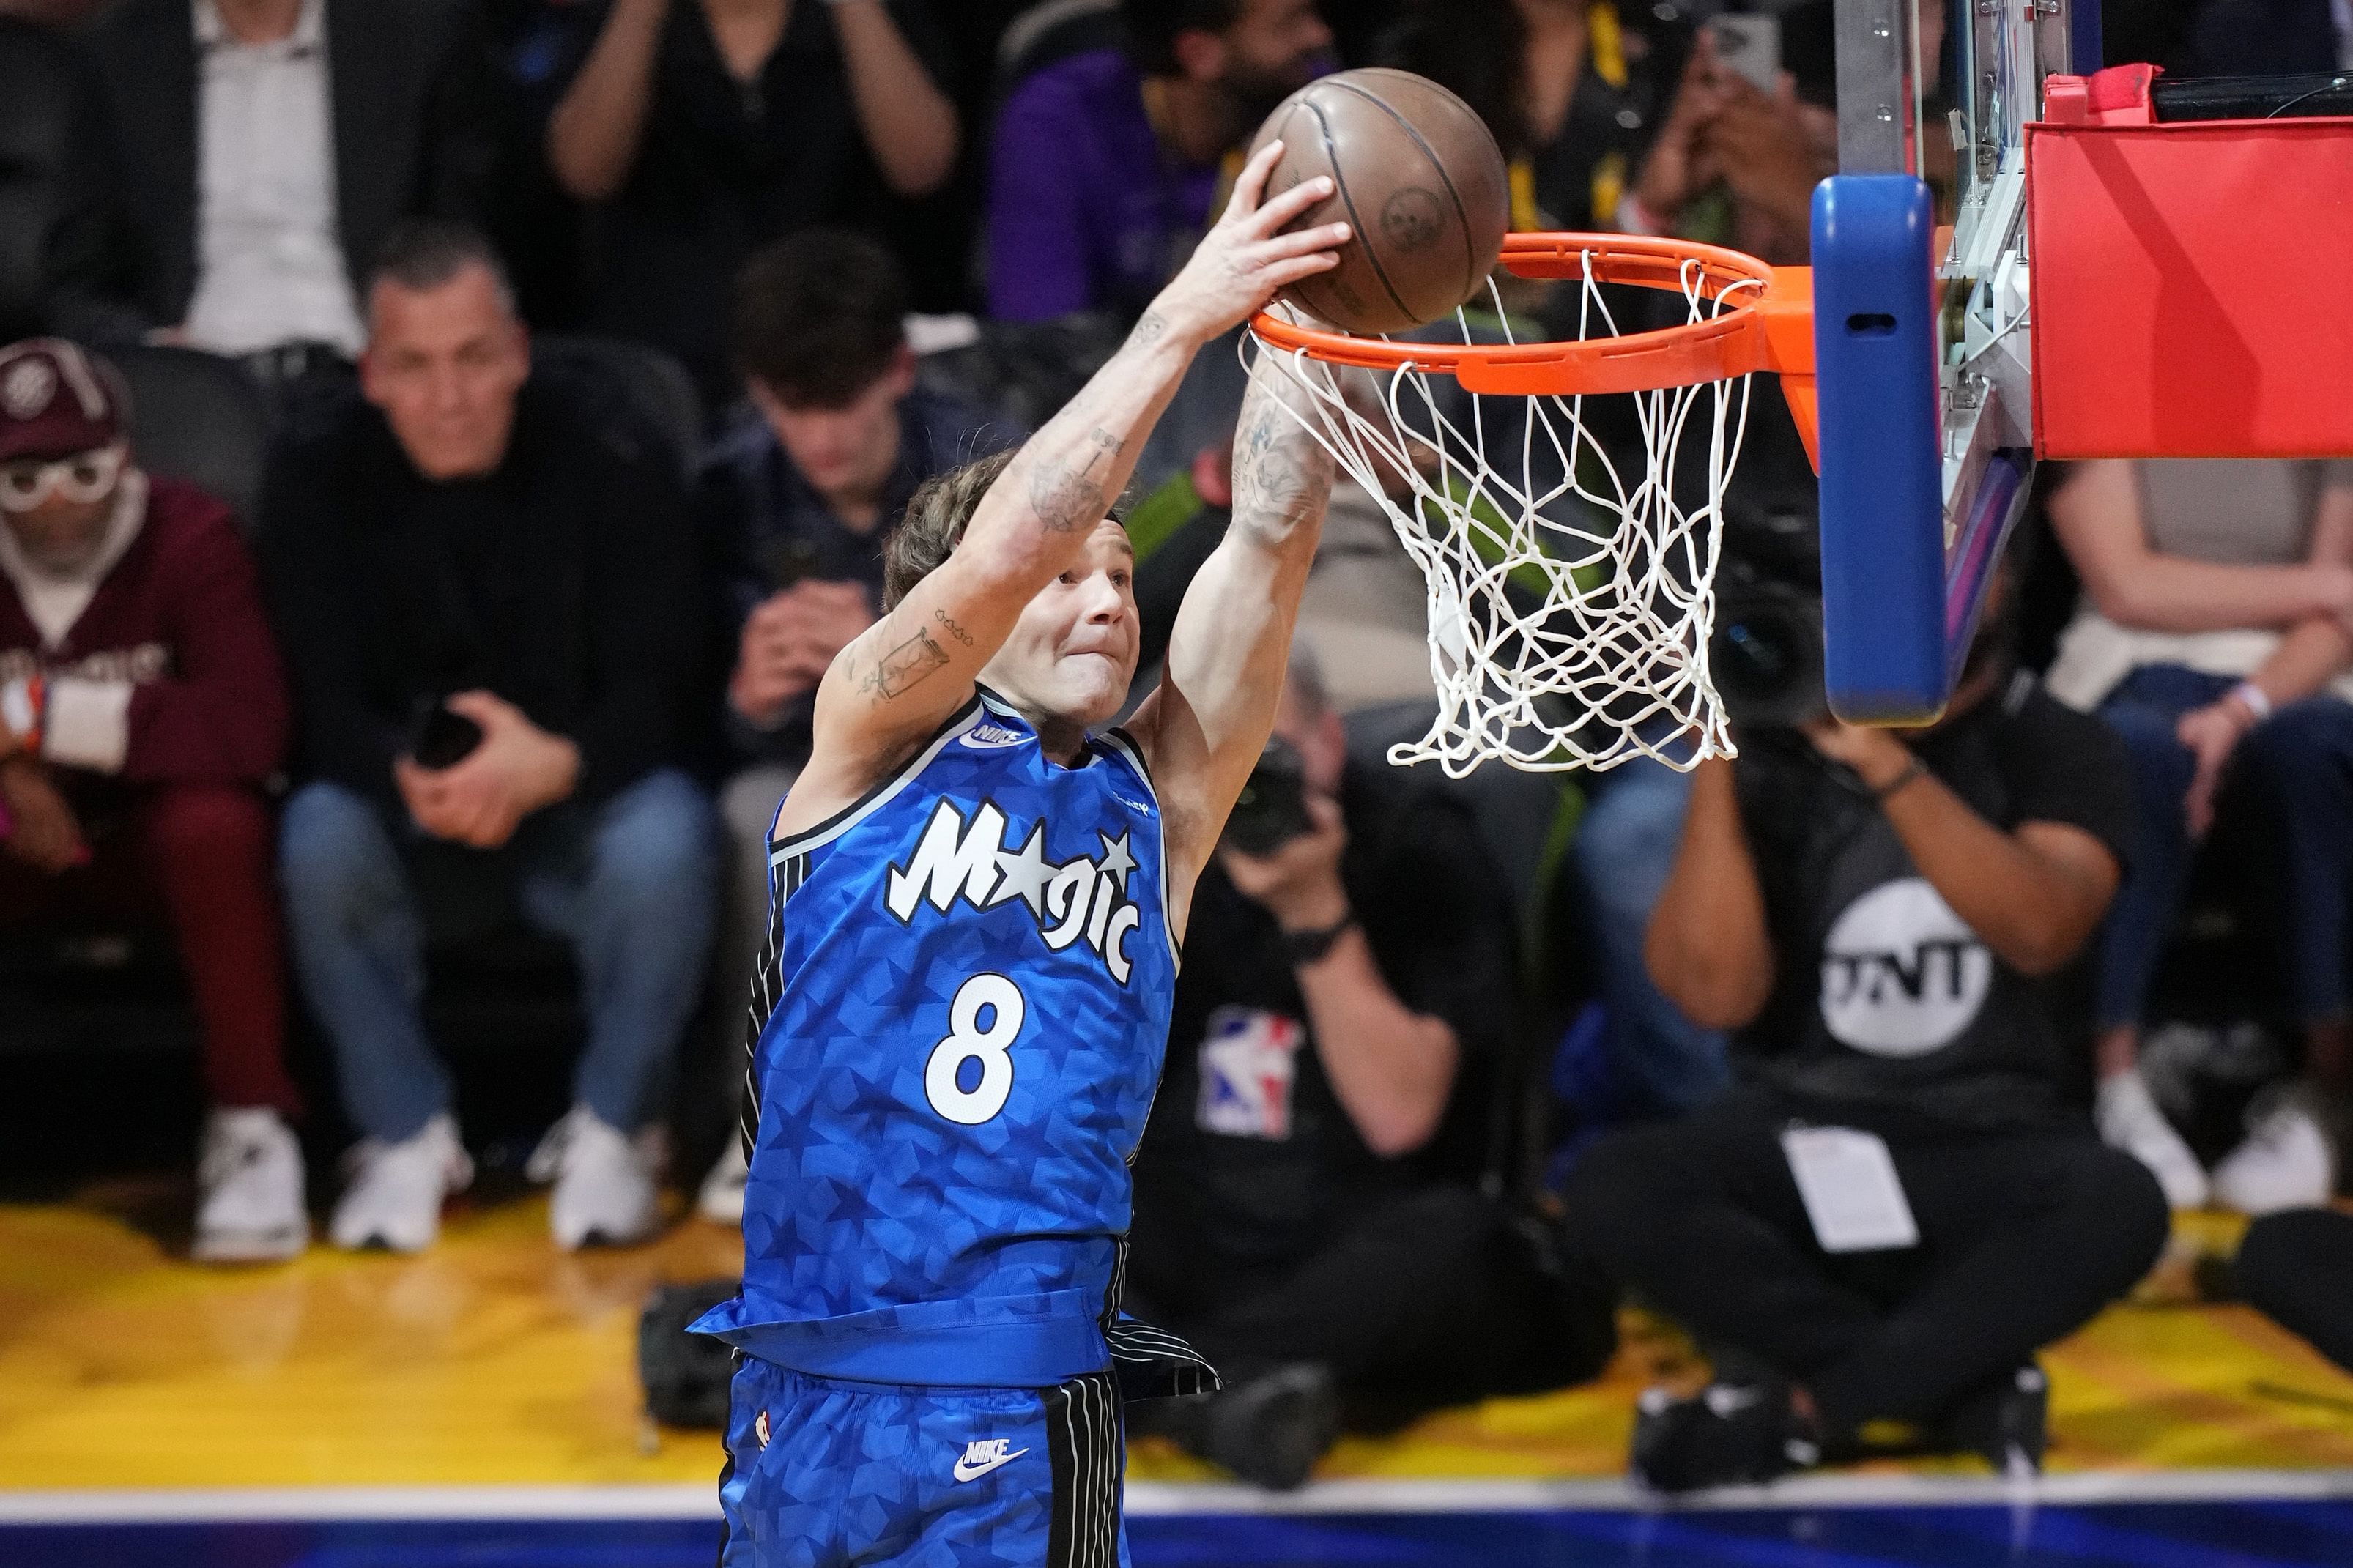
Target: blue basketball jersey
(959,1029)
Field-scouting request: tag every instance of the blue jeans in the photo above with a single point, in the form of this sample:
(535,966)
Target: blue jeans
(632,884)
(1625,847)
(2298,765)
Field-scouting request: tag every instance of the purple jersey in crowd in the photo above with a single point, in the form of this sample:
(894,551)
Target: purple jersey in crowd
(1085,210)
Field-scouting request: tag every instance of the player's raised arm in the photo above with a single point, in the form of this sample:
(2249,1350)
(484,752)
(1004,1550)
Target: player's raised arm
(1204,727)
(914,668)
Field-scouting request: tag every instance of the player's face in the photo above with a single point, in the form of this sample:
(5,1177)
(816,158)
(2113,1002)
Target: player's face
(1073,652)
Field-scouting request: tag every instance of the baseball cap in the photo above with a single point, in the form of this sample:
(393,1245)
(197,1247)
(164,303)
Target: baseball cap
(56,401)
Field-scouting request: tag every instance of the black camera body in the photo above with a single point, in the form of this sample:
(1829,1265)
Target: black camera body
(1766,656)
(1271,810)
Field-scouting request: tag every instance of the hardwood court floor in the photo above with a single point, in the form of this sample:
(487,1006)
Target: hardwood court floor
(496,1359)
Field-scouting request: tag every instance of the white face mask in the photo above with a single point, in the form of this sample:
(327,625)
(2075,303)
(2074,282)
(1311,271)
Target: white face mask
(81,479)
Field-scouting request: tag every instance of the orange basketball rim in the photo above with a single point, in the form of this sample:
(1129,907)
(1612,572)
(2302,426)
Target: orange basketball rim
(1765,321)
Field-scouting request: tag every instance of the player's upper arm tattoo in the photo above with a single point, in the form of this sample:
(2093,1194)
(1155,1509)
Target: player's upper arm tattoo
(1067,490)
(904,667)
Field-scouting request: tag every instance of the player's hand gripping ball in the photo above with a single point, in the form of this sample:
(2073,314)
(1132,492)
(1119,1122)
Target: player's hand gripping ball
(1417,176)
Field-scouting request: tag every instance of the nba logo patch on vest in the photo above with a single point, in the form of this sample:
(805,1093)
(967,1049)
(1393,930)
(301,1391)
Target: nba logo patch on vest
(1249,1061)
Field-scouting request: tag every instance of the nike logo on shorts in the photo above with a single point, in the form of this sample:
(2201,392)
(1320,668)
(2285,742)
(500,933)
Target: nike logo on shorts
(984,1455)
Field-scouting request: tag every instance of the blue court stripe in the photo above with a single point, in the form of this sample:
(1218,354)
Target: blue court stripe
(1178,1499)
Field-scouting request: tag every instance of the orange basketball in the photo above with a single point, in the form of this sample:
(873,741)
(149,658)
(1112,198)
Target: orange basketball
(1418,178)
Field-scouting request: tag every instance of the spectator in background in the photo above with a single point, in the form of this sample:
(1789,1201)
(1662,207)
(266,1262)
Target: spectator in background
(1897,1206)
(704,129)
(142,710)
(267,147)
(481,600)
(1105,164)
(1350,957)
(1572,93)
(2213,637)
(798,498)
(1736,162)
(1731,163)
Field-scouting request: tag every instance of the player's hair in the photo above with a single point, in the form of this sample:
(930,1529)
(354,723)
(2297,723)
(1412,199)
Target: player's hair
(422,253)
(819,317)
(1154,26)
(935,524)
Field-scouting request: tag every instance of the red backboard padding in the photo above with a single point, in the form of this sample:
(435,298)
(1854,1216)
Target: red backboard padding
(2192,288)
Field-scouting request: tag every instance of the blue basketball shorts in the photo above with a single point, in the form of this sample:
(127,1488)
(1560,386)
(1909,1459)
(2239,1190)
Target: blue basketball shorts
(827,1474)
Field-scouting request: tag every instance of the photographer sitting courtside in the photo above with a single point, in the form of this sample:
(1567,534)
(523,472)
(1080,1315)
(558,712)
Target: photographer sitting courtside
(795,502)
(1351,951)
(481,594)
(1898,1203)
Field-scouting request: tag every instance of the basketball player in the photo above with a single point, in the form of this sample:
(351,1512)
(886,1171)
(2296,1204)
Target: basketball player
(978,903)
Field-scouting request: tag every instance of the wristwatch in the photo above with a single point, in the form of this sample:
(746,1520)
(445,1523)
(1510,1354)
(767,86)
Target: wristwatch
(1307,946)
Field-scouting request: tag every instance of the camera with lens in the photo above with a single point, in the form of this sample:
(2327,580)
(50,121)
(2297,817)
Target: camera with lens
(1767,653)
(1271,810)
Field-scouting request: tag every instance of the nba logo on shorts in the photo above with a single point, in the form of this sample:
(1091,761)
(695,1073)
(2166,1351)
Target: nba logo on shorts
(1246,1073)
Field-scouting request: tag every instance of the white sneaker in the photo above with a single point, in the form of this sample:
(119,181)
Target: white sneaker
(608,1183)
(2286,1164)
(2130,1119)
(250,1177)
(393,1195)
(721,1197)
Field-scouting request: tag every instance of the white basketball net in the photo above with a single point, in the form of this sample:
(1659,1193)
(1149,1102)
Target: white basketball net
(1604,656)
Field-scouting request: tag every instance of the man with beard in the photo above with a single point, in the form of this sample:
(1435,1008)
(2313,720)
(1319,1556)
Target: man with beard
(1108,163)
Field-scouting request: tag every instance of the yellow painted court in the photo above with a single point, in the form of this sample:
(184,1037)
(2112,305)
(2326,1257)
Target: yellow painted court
(497,1360)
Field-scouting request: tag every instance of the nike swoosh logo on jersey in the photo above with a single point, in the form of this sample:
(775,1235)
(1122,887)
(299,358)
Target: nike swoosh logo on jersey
(991,1455)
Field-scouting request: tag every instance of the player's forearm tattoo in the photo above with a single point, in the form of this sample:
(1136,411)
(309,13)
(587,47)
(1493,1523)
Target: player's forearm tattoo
(1067,492)
(1281,475)
(954,630)
(1150,328)
(906,666)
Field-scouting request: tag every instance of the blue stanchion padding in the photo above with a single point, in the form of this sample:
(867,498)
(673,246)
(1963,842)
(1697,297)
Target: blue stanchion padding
(2084,51)
(1883,623)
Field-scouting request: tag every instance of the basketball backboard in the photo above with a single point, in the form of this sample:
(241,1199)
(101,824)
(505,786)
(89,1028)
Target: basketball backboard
(1925,381)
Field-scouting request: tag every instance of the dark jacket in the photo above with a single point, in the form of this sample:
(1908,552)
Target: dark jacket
(563,583)
(53,165)
(766,526)
(416,131)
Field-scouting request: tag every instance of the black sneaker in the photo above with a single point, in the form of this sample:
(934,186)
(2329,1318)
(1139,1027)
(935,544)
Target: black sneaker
(2005,1418)
(1729,1433)
(1271,1430)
